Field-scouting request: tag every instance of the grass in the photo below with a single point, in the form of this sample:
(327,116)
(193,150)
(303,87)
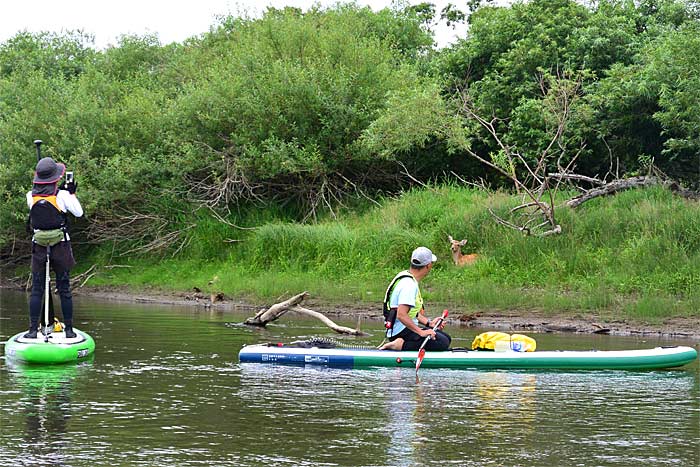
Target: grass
(633,255)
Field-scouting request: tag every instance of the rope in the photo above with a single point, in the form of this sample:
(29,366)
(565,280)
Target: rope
(327,343)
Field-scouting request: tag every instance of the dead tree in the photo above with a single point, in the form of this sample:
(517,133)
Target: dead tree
(536,214)
(293,304)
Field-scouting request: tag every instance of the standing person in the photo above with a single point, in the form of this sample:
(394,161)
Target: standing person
(48,208)
(403,307)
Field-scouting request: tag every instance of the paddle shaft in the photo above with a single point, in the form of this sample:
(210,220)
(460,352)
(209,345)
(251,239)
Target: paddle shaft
(47,293)
(421,350)
(48,302)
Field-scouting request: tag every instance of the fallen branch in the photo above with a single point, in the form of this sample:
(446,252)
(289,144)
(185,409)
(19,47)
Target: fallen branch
(278,309)
(84,277)
(577,177)
(683,192)
(328,322)
(613,187)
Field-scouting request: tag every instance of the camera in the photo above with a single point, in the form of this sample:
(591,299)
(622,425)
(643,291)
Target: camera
(69,177)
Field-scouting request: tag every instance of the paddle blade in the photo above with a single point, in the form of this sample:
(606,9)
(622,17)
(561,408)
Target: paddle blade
(421,354)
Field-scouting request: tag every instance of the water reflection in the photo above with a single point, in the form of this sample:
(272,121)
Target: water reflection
(462,417)
(425,416)
(166,389)
(46,408)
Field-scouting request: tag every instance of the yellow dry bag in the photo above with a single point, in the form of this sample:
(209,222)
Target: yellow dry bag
(490,341)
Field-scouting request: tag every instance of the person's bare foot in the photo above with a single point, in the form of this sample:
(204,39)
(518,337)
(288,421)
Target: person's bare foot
(396,344)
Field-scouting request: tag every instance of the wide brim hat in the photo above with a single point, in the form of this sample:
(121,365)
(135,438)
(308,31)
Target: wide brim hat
(48,171)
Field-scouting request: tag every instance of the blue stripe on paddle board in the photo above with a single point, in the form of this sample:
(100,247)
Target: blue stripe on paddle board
(337,361)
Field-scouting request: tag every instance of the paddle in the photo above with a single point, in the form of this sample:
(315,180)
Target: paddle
(48,302)
(421,351)
(47,291)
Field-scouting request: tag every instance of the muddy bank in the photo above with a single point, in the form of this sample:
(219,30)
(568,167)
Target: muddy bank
(497,320)
(512,321)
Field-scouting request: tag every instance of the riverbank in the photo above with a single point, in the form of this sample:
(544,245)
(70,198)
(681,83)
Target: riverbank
(625,264)
(369,314)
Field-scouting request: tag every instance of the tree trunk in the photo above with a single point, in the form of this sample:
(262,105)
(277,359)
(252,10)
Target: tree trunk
(613,187)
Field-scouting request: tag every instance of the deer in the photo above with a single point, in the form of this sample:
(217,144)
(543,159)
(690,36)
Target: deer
(457,256)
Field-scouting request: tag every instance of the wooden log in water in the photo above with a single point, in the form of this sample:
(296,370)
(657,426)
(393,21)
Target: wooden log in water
(293,304)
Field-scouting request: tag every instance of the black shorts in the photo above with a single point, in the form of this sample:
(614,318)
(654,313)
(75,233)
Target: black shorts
(413,341)
(61,257)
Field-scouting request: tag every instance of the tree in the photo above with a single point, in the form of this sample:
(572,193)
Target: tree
(54,55)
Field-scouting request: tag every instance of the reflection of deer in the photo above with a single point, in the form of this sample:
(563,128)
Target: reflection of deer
(457,256)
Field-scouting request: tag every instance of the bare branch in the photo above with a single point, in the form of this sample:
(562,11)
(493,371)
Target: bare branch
(613,187)
(293,304)
(508,224)
(581,178)
(557,100)
(218,217)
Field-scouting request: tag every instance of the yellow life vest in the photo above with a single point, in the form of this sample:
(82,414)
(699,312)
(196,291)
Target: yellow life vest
(51,199)
(390,313)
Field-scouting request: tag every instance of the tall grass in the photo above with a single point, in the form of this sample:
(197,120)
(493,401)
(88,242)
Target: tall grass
(635,254)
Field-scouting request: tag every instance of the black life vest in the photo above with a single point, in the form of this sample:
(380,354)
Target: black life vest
(45,214)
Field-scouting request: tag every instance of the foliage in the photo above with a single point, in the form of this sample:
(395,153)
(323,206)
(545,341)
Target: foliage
(64,55)
(620,252)
(507,50)
(674,64)
(305,112)
(279,101)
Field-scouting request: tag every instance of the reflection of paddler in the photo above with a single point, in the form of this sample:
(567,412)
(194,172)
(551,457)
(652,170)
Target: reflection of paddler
(48,208)
(413,422)
(402,422)
(46,393)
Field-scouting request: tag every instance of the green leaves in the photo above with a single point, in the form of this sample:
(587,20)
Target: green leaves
(270,108)
(306,108)
(637,67)
(64,55)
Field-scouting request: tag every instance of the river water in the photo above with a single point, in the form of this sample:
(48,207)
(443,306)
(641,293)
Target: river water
(165,389)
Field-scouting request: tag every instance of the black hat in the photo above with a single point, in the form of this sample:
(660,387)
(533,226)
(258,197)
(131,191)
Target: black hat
(48,171)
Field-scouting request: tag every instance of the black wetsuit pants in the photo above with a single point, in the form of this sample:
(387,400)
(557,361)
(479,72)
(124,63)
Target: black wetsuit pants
(413,341)
(61,262)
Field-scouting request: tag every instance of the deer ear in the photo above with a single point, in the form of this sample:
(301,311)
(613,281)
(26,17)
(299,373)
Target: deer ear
(463,242)
(450,238)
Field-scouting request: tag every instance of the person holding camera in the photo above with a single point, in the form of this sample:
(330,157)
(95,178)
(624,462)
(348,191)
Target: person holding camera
(49,205)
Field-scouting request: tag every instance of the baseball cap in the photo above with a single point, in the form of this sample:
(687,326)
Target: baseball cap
(422,256)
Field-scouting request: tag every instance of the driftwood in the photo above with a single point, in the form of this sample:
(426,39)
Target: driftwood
(293,304)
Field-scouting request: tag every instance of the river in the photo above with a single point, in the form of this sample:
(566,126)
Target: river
(165,389)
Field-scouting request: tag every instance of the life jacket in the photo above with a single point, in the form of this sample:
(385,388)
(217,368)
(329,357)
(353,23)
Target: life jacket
(45,215)
(390,313)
